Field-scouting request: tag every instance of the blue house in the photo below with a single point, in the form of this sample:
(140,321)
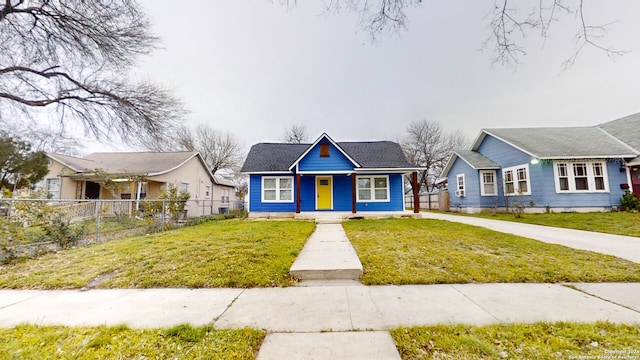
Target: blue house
(557,169)
(285,179)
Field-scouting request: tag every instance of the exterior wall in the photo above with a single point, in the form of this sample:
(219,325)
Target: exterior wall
(313,162)
(396,197)
(471,185)
(341,195)
(67,186)
(255,197)
(541,181)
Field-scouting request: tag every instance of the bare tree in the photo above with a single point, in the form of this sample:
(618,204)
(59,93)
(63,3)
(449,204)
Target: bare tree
(296,134)
(72,59)
(428,145)
(219,150)
(508,26)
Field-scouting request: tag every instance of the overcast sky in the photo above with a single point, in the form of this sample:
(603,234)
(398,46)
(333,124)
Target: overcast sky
(255,68)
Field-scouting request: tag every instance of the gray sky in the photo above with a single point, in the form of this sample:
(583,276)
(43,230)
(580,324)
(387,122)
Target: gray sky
(255,68)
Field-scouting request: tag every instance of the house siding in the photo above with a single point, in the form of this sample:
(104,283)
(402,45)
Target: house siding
(396,195)
(541,182)
(335,162)
(255,197)
(341,195)
(471,185)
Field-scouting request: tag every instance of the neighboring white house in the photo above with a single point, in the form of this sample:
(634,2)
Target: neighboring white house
(138,175)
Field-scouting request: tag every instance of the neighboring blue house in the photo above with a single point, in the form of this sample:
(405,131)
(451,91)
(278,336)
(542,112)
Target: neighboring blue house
(559,169)
(326,176)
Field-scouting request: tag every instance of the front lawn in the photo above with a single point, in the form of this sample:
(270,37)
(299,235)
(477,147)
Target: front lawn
(620,223)
(562,340)
(420,251)
(231,253)
(120,342)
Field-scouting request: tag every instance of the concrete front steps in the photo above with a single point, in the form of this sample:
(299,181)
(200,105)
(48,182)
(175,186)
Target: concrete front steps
(327,255)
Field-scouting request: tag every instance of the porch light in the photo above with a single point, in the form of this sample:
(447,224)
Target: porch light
(534,161)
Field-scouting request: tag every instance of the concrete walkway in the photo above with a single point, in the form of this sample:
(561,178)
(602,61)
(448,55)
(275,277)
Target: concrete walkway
(624,247)
(325,317)
(327,255)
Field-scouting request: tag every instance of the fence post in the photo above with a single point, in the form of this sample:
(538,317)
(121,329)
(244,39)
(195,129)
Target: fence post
(98,218)
(164,216)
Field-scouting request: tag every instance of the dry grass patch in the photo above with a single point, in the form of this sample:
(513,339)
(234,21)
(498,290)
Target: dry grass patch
(231,253)
(562,340)
(416,251)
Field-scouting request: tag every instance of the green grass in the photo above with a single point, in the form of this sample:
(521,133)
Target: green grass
(561,340)
(416,251)
(620,223)
(232,253)
(120,342)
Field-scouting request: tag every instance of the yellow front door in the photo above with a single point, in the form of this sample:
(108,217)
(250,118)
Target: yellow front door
(323,189)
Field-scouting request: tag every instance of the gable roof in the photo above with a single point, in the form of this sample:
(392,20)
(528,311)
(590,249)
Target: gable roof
(560,142)
(320,138)
(473,158)
(626,129)
(281,157)
(148,163)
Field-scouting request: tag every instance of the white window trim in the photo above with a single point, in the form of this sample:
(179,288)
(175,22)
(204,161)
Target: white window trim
(482,183)
(591,179)
(460,186)
(277,179)
(516,181)
(54,194)
(207,191)
(373,189)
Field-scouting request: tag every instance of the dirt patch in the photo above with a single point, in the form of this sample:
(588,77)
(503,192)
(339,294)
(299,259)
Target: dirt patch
(100,279)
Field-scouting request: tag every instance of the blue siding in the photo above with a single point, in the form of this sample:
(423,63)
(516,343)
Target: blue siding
(576,200)
(471,184)
(255,198)
(336,160)
(308,193)
(541,179)
(341,195)
(396,194)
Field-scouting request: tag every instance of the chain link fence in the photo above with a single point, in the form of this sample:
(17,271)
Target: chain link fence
(29,227)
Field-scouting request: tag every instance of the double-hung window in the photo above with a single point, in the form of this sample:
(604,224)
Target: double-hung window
(489,186)
(580,176)
(373,188)
(53,188)
(277,189)
(516,180)
(460,185)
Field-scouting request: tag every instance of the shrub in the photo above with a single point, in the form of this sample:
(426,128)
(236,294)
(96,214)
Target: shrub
(629,202)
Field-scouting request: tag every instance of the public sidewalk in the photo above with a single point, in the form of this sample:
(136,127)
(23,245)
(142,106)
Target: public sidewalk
(324,317)
(624,247)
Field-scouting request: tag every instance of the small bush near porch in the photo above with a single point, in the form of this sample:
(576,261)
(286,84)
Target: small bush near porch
(231,253)
(416,251)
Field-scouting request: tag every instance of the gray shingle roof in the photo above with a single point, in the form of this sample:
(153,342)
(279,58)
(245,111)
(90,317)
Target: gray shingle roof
(626,129)
(476,160)
(279,156)
(562,142)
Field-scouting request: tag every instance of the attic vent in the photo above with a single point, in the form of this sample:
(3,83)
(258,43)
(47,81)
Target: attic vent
(324,150)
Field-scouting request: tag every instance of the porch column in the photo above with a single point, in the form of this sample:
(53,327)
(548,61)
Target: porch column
(298,193)
(416,192)
(353,193)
